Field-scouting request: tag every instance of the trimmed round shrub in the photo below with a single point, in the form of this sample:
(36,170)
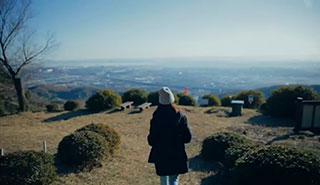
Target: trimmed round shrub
(83,150)
(226,100)
(258,98)
(277,165)
(71,105)
(281,102)
(237,150)
(153,97)
(52,107)
(27,167)
(180,94)
(213,100)
(138,96)
(214,147)
(103,100)
(187,100)
(108,133)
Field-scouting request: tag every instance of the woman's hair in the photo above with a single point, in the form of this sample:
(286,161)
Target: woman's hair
(171,106)
(175,107)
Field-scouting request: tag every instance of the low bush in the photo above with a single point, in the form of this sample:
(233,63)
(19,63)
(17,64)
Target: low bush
(258,98)
(2,108)
(108,133)
(138,96)
(71,105)
(213,100)
(281,102)
(153,97)
(226,100)
(214,147)
(83,150)
(237,150)
(187,100)
(28,167)
(277,165)
(103,100)
(53,107)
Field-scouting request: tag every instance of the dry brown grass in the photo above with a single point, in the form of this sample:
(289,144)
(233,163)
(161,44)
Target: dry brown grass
(26,131)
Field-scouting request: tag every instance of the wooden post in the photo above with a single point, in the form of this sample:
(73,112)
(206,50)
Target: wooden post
(1,152)
(44,146)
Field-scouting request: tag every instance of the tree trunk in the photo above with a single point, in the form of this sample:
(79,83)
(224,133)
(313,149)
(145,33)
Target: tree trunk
(20,94)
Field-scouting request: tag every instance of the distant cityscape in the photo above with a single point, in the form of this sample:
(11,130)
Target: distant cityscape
(200,78)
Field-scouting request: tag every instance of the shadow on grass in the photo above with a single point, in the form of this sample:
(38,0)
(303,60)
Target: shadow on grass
(69,115)
(270,121)
(137,111)
(113,111)
(198,164)
(294,135)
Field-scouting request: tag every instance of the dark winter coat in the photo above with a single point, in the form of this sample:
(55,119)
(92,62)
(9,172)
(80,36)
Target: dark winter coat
(168,133)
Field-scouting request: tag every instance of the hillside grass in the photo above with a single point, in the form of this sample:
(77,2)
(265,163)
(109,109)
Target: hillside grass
(26,131)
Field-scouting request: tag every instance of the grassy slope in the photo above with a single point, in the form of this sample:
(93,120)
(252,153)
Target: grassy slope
(129,165)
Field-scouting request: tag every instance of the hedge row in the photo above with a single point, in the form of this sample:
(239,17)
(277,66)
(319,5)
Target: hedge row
(82,150)
(249,163)
(28,167)
(280,103)
(88,146)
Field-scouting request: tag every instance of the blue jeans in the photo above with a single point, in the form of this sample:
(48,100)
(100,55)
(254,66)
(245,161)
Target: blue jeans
(169,180)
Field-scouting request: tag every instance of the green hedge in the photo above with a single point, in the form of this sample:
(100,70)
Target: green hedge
(83,150)
(153,97)
(103,100)
(53,107)
(258,98)
(215,146)
(277,165)
(226,100)
(281,102)
(27,167)
(108,133)
(187,100)
(213,100)
(71,105)
(138,96)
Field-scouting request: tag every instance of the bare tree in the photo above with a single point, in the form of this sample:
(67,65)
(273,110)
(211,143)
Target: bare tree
(18,46)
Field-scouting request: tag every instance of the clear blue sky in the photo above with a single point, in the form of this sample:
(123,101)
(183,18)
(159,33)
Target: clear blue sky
(95,29)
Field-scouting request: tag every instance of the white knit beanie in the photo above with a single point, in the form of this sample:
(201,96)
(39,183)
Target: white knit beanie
(166,97)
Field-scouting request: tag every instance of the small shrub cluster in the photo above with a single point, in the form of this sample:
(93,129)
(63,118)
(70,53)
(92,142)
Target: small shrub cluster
(226,100)
(83,150)
(187,100)
(213,100)
(28,167)
(103,100)
(108,133)
(71,105)
(281,102)
(258,98)
(277,165)
(53,107)
(88,146)
(214,147)
(138,96)
(153,98)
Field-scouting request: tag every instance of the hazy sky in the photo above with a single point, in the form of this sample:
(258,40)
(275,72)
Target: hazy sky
(91,29)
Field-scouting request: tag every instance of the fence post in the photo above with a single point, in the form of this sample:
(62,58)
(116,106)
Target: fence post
(44,146)
(1,152)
